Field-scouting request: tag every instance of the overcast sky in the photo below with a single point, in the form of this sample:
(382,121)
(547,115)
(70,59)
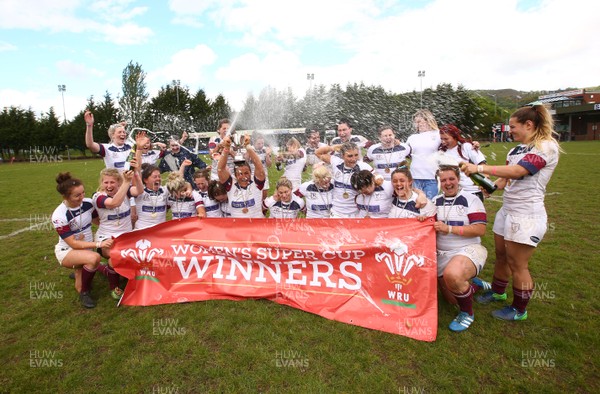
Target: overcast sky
(239,47)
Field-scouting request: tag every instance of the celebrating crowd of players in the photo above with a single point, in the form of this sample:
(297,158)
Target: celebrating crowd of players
(344,184)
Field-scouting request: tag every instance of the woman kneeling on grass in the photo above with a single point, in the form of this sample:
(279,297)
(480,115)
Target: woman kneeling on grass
(111,201)
(521,222)
(72,220)
(461,220)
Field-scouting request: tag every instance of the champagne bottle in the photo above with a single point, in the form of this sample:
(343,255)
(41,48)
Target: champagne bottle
(130,157)
(482,181)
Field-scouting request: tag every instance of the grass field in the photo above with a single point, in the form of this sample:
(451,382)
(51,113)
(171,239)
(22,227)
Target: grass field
(51,344)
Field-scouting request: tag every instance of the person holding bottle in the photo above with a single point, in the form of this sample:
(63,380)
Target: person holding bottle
(521,222)
(459,149)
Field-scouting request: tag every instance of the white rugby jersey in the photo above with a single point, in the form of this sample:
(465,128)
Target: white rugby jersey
(357,139)
(461,210)
(311,158)
(182,207)
(214,172)
(385,160)
(284,210)
(262,155)
(245,202)
(470,156)
(152,156)
(226,209)
(318,201)
(423,147)
(525,196)
(74,221)
(212,207)
(343,192)
(377,204)
(293,169)
(406,209)
(151,207)
(113,222)
(115,156)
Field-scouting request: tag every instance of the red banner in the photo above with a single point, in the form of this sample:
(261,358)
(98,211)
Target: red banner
(374,273)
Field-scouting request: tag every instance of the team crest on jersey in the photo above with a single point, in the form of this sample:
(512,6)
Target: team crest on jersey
(312,195)
(460,210)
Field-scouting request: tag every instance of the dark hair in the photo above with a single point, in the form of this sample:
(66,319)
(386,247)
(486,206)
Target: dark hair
(147,170)
(215,188)
(454,132)
(65,182)
(446,167)
(345,120)
(347,146)
(203,173)
(403,169)
(384,127)
(222,121)
(361,179)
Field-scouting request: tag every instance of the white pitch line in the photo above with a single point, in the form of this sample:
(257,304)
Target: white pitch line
(15,220)
(32,227)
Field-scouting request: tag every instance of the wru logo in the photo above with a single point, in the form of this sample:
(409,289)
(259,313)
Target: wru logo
(144,253)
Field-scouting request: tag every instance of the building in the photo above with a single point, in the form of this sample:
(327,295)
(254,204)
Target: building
(576,114)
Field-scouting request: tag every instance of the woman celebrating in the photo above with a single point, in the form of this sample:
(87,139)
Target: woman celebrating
(284,204)
(212,208)
(387,154)
(318,193)
(111,201)
(152,202)
(461,221)
(72,219)
(374,198)
(216,192)
(181,201)
(406,199)
(521,222)
(245,193)
(457,147)
(423,146)
(343,204)
(294,158)
(114,154)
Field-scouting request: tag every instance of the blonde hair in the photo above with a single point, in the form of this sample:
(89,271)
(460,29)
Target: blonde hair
(283,181)
(293,143)
(542,121)
(321,172)
(428,117)
(113,128)
(175,183)
(111,172)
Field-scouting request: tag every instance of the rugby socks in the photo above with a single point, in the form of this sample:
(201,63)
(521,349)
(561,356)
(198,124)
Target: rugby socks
(521,299)
(499,286)
(113,277)
(86,279)
(465,300)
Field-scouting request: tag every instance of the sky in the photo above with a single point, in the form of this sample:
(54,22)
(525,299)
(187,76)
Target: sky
(238,47)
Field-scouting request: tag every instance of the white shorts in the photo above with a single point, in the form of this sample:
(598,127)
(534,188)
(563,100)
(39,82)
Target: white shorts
(527,230)
(477,253)
(61,252)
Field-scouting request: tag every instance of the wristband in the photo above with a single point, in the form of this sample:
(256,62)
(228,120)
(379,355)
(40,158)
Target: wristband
(480,168)
(89,124)
(461,230)
(493,170)
(449,230)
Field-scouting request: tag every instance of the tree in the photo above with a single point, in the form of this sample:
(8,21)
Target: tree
(134,100)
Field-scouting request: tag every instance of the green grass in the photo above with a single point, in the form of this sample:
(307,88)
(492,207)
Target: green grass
(226,346)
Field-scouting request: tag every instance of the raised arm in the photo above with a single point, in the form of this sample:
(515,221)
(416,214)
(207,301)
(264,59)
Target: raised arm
(222,171)
(324,152)
(259,169)
(121,194)
(94,147)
